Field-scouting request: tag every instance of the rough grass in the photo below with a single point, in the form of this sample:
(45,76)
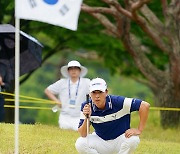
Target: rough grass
(44,139)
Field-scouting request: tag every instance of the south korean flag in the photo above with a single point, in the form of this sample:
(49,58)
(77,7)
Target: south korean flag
(64,13)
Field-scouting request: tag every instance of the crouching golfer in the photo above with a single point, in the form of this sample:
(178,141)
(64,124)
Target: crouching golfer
(110,117)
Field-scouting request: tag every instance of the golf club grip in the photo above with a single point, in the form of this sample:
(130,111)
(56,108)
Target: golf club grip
(87,101)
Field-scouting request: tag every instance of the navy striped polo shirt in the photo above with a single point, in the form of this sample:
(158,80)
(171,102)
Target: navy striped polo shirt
(114,120)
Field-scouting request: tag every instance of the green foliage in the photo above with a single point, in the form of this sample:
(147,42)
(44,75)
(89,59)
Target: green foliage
(156,7)
(129,88)
(35,86)
(155,55)
(94,3)
(6,11)
(90,36)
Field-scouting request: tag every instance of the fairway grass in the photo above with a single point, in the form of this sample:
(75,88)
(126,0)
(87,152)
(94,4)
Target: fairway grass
(41,139)
(45,139)
(157,147)
(37,139)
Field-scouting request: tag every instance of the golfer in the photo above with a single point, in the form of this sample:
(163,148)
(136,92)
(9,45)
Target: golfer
(70,92)
(110,117)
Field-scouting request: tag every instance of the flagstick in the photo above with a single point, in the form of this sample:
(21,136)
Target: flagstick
(17,68)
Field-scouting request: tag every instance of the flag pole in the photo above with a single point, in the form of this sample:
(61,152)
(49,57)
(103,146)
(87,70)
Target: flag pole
(17,68)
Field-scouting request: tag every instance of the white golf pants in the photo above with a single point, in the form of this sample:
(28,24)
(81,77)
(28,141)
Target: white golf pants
(93,144)
(68,122)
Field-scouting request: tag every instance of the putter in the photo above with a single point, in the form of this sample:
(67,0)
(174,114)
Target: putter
(87,116)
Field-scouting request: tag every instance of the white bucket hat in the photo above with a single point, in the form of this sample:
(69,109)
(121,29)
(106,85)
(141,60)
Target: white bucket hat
(73,63)
(98,84)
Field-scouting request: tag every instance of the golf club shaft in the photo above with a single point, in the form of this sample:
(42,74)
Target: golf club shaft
(87,116)
(87,126)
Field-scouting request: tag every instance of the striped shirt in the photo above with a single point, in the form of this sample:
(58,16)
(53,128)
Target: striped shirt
(114,120)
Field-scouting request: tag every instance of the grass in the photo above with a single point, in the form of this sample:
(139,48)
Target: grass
(45,139)
(37,139)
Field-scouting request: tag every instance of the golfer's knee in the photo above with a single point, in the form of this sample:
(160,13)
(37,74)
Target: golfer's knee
(81,144)
(132,142)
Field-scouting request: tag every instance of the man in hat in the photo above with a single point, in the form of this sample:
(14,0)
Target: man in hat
(110,117)
(71,92)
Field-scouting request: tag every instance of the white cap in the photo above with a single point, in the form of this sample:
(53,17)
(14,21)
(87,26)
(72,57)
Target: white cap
(73,63)
(98,84)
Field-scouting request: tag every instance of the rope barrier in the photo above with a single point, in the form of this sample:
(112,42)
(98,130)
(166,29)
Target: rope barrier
(44,101)
(164,109)
(151,108)
(28,97)
(29,101)
(28,107)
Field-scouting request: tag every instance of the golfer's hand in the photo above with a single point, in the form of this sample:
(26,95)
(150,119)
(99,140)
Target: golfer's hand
(132,132)
(87,110)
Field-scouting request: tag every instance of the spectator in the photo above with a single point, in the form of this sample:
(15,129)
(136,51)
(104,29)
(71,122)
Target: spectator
(69,93)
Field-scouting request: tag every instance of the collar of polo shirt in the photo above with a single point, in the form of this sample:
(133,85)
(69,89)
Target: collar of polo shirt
(108,105)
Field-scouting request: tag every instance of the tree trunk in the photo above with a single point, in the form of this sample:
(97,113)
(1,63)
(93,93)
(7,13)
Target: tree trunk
(165,35)
(167,98)
(170,119)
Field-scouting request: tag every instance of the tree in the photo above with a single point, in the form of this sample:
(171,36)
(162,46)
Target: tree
(136,37)
(152,38)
